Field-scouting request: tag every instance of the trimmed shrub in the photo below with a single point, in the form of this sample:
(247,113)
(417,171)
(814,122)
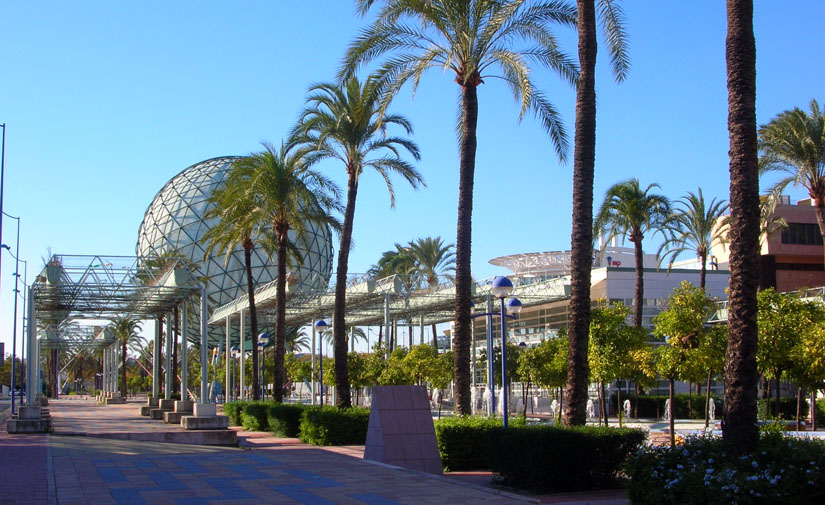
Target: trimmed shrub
(463,442)
(685,406)
(254,416)
(284,420)
(782,470)
(333,426)
(787,408)
(233,410)
(555,459)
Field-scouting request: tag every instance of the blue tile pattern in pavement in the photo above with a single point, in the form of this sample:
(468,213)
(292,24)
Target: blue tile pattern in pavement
(220,477)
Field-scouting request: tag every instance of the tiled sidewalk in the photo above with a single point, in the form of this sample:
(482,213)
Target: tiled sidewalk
(83,469)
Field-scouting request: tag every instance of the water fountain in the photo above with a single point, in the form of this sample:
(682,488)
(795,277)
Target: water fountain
(591,409)
(626,408)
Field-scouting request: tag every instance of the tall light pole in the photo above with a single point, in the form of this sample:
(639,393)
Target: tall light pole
(16,291)
(501,289)
(2,173)
(263,338)
(321,326)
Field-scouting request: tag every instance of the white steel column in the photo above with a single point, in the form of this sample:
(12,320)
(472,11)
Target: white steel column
(241,346)
(184,350)
(312,373)
(204,343)
(32,363)
(156,359)
(167,394)
(228,361)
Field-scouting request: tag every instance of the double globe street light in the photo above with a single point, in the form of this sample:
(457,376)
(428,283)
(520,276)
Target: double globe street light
(263,338)
(501,289)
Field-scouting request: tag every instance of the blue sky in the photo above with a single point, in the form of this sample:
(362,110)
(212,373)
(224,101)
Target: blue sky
(106,101)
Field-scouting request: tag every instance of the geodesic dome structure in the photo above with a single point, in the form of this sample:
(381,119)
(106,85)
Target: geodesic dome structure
(173,224)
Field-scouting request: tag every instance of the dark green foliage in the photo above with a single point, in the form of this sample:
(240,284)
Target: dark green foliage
(254,416)
(820,411)
(782,470)
(685,406)
(463,441)
(233,410)
(333,426)
(787,408)
(554,459)
(284,420)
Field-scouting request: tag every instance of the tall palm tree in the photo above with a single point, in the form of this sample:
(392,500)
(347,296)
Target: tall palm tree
(433,259)
(125,330)
(740,432)
(477,40)
(630,210)
(230,205)
(289,197)
(693,226)
(347,122)
(794,143)
(584,159)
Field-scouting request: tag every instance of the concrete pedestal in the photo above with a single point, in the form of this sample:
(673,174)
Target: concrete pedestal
(29,419)
(151,403)
(182,408)
(205,423)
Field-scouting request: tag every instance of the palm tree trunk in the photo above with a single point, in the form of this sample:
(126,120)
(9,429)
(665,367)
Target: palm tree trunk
(740,432)
(253,316)
(776,411)
(702,270)
(584,157)
(435,338)
(639,295)
(463,275)
(604,401)
(279,344)
(339,329)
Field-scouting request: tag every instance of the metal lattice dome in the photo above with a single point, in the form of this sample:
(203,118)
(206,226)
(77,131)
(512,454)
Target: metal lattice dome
(173,223)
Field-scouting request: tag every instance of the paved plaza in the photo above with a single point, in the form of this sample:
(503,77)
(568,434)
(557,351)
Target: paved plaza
(87,461)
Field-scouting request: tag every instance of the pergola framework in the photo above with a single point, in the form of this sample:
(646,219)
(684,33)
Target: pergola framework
(72,290)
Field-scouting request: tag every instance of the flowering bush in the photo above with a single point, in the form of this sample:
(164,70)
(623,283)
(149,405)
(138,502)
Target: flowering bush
(783,470)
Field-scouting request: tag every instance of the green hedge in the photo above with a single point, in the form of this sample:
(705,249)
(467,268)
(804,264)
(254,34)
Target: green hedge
(284,420)
(787,408)
(233,410)
(333,426)
(254,416)
(463,442)
(685,406)
(556,459)
(782,471)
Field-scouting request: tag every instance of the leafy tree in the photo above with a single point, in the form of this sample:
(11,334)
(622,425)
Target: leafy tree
(610,347)
(348,122)
(630,210)
(740,433)
(584,157)
(809,360)
(783,320)
(125,330)
(682,325)
(288,197)
(545,365)
(693,226)
(473,38)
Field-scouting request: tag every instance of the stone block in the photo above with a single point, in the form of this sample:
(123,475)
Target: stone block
(145,410)
(157,413)
(29,412)
(167,404)
(14,426)
(204,423)
(116,400)
(401,430)
(153,401)
(174,417)
(205,410)
(184,406)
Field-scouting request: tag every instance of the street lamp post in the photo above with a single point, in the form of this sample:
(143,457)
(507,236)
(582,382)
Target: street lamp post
(16,291)
(263,338)
(321,326)
(491,383)
(501,289)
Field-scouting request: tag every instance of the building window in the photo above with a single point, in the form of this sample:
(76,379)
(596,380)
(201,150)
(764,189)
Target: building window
(802,234)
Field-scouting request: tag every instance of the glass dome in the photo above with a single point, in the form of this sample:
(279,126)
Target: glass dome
(173,223)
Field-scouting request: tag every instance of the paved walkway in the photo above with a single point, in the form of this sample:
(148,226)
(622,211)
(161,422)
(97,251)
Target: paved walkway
(63,469)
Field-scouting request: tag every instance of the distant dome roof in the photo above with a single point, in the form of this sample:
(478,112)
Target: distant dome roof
(174,222)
